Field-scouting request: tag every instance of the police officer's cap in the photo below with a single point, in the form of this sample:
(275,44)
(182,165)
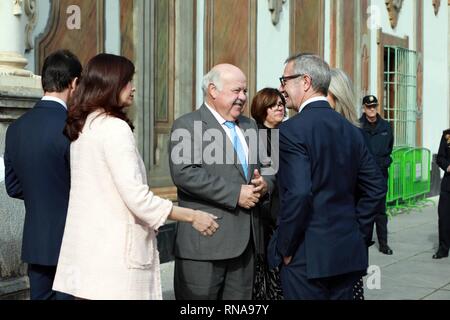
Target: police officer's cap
(370,100)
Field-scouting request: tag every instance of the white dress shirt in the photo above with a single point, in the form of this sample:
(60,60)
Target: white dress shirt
(222,121)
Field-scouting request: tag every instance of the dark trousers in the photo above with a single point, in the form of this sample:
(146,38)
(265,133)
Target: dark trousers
(41,283)
(230,279)
(381,221)
(296,285)
(444,221)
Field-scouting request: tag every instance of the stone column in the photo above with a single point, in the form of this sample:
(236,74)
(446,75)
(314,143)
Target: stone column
(19,90)
(12,44)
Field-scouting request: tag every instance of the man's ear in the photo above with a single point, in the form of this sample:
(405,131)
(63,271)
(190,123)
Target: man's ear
(212,90)
(308,83)
(74,83)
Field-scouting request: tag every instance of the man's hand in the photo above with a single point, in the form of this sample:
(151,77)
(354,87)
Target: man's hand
(287,260)
(448,169)
(204,223)
(248,197)
(260,184)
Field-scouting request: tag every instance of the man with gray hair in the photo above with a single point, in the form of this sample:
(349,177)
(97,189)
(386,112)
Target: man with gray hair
(220,266)
(329,188)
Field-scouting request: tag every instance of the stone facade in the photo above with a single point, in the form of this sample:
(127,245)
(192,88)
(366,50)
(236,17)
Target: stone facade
(19,90)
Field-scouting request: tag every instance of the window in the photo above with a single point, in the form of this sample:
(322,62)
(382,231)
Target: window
(400,94)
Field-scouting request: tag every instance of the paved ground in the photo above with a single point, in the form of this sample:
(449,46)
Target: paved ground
(409,274)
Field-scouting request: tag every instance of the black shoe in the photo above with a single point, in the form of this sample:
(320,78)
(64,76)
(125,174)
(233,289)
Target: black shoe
(386,250)
(440,254)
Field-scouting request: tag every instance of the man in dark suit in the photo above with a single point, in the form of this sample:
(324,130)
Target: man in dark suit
(443,161)
(37,171)
(380,140)
(212,164)
(329,188)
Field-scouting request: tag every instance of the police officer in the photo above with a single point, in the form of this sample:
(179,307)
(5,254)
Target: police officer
(443,161)
(380,140)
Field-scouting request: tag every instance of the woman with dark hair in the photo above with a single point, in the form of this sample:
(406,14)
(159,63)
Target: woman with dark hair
(109,245)
(268,109)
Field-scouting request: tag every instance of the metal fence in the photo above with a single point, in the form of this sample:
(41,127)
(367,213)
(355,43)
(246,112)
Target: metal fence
(409,179)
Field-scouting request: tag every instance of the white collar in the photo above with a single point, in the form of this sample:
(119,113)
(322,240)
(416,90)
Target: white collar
(311,100)
(216,115)
(55,99)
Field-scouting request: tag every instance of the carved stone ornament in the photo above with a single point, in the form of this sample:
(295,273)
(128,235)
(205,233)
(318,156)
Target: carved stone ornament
(436,5)
(30,11)
(275,7)
(394,7)
(17,7)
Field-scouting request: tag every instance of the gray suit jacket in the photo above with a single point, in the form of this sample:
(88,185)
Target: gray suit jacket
(211,186)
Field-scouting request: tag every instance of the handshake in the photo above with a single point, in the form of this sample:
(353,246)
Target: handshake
(205,223)
(250,194)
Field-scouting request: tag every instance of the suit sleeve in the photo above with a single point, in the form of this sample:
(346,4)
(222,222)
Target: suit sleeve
(123,162)
(12,182)
(188,173)
(295,185)
(371,190)
(442,156)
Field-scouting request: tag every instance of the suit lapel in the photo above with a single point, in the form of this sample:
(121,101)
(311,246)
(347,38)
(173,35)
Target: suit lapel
(211,122)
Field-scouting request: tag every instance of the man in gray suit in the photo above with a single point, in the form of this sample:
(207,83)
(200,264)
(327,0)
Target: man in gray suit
(212,163)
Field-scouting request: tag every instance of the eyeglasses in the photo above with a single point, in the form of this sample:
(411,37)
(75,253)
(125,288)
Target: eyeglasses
(283,79)
(277,105)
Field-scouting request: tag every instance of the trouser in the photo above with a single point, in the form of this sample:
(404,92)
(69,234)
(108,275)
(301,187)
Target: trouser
(381,221)
(41,283)
(229,279)
(296,285)
(444,221)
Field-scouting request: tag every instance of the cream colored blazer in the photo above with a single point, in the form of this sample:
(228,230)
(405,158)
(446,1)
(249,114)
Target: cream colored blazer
(109,246)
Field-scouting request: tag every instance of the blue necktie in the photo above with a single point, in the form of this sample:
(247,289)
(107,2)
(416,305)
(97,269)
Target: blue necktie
(238,147)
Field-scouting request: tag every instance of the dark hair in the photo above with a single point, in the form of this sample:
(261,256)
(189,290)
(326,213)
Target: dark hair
(59,70)
(100,86)
(263,100)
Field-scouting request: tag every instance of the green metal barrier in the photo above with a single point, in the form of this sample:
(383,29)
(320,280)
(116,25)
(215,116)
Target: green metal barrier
(416,182)
(409,179)
(395,180)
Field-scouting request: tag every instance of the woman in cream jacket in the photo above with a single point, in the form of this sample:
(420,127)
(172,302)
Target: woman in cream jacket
(109,245)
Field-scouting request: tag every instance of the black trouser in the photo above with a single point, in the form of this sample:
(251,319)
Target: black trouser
(444,221)
(381,220)
(41,283)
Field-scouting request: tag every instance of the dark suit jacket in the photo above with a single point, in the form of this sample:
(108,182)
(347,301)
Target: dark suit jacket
(443,159)
(37,171)
(329,187)
(211,187)
(380,141)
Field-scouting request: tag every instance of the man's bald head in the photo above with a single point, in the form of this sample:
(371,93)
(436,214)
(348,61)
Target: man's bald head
(225,90)
(218,74)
